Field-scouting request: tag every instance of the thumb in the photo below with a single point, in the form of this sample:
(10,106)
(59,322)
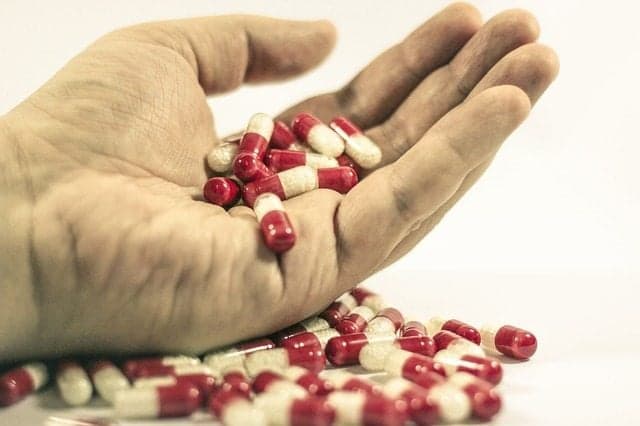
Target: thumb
(225,51)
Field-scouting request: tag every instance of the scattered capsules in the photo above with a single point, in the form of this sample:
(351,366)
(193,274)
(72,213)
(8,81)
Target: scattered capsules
(345,381)
(311,339)
(169,370)
(345,349)
(248,165)
(318,135)
(460,328)
(153,402)
(277,231)
(278,160)
(272,382)
(338,309)
(399,363)
(220,159)
(308,325)
(368,298)
(485,401)
(357,145)
(73,383)
(485,368)
(412,328)
(311,382)
(386,320)
(284,410)
(131,366)
(235,409)
(204,381)
(233,356)
(419,406)
(357,408)
(447,340)
(18,383)
(355,321)
(508,340)
(280,358)
(107,379)
(222,191)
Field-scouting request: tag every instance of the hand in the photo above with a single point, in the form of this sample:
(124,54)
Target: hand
(112,252)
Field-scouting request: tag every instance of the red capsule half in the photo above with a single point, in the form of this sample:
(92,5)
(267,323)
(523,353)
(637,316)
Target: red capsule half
(282,136)
(222,191)
(516,342)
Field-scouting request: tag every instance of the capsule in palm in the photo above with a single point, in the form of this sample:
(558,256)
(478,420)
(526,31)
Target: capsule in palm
(357,145)
(318,135)
(277,232)
(248,165)
(222,191)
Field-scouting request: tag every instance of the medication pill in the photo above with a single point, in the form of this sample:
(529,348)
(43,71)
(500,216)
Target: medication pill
(284,410)
(418,405)
(357,145)
(401,363)
(248,167)
(345,161)
(460,328)
(236,379)
(169,370)
(485,401)
(311,382)
(447,340)
(345,349)
(148,402)
(222,191)
(272,382)
(280,358)
(386,320)
(299,180)
(368,298)
(412,328)
(338,309)
(73,383)
(129,367)
(235,409)
(488,369)
(277,231)
(343,380)
(355,321)
(311,339)
(453,404)
(508,340)
(318,135)
(278,160)
(107,379)
(18,383)
(356,408)
(205,382)
(282,137)
(221,157)
(233,356)
(308,325)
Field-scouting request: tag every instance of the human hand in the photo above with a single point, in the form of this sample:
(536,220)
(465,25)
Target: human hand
(116,254)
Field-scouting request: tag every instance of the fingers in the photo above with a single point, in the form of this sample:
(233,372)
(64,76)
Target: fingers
(380,87)
(378,213)
(225,51)
(450,85)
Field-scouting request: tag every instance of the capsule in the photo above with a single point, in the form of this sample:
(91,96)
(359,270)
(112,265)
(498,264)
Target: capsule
(460,328)
(73,383)
(356,321)
(20,382)
(345,161)
(447,340)
(508,340)
(233,356)
(280,358)
(248,167)
(318,135)
(345,381)
(235,409)
(282,136)
(205,382)
(356,144)
(356,408)
(412,328)
(278,160)
(308,325)
(488,369)
(272,382)
(345,350)
(311,382)
(236,379)
(311,339)
(368,298)
(148,402)
(220,159)
(299,180)
(107,379)
(420,408)
(338,309)
(284,410)
(222,191)
(170,370)
(277,231)
(485,401)
(386,320)
(129,367)
(401,363)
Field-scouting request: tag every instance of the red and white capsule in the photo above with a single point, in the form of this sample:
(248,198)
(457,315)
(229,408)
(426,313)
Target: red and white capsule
(107,379)
(386,320)
(279,160)
(20,382)
(273,382)
(357,145)
(508,340)
(447,340)
(308,380)
(308,325)
(233,356)
(345,349)
(338,309)
(237,380)
(235,409)
(280,358)
(282,137)
(311,339)
(154,402)
(73,383)
(412,328)
(345,161)
(345,381)
(248,165)
(222,191)
(357,408)
(277,232)
(318,135)
(131,366)
(299,180)
(204,381)
(460,328)
(488,369)
(220,159)
(420,408)
(355,321)
(368,298)
(284,410)
(485,400)
(411,366)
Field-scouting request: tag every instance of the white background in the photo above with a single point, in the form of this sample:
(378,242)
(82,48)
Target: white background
(548,238)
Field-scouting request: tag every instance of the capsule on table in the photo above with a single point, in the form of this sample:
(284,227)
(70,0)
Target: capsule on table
(508,340)
(20,382)
(412,328)
(236,379)
(368,298)
(221,157)
(488,369)
(356,408)
(311,339)
(308,325)
(280,358)
(180,400)
(205,382)
(73,383)
(130,366)
(278,160)
(447,340)
(277,232)
(282,137)
(308,380)
(284,410)
(299,180)
(386,320)
(345,349)
(345,381)
(222,191)
(272,382)
(318,135)
(233,356)
(235,409)
(338,309)
(411,366)
(107,379)
(419,407)
(357,145)
(485,400)
(460,328)
(169,370)
(355,321)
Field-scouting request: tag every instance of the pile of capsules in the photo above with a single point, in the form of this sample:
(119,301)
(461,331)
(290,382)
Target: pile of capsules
(435,372)
(271,162)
